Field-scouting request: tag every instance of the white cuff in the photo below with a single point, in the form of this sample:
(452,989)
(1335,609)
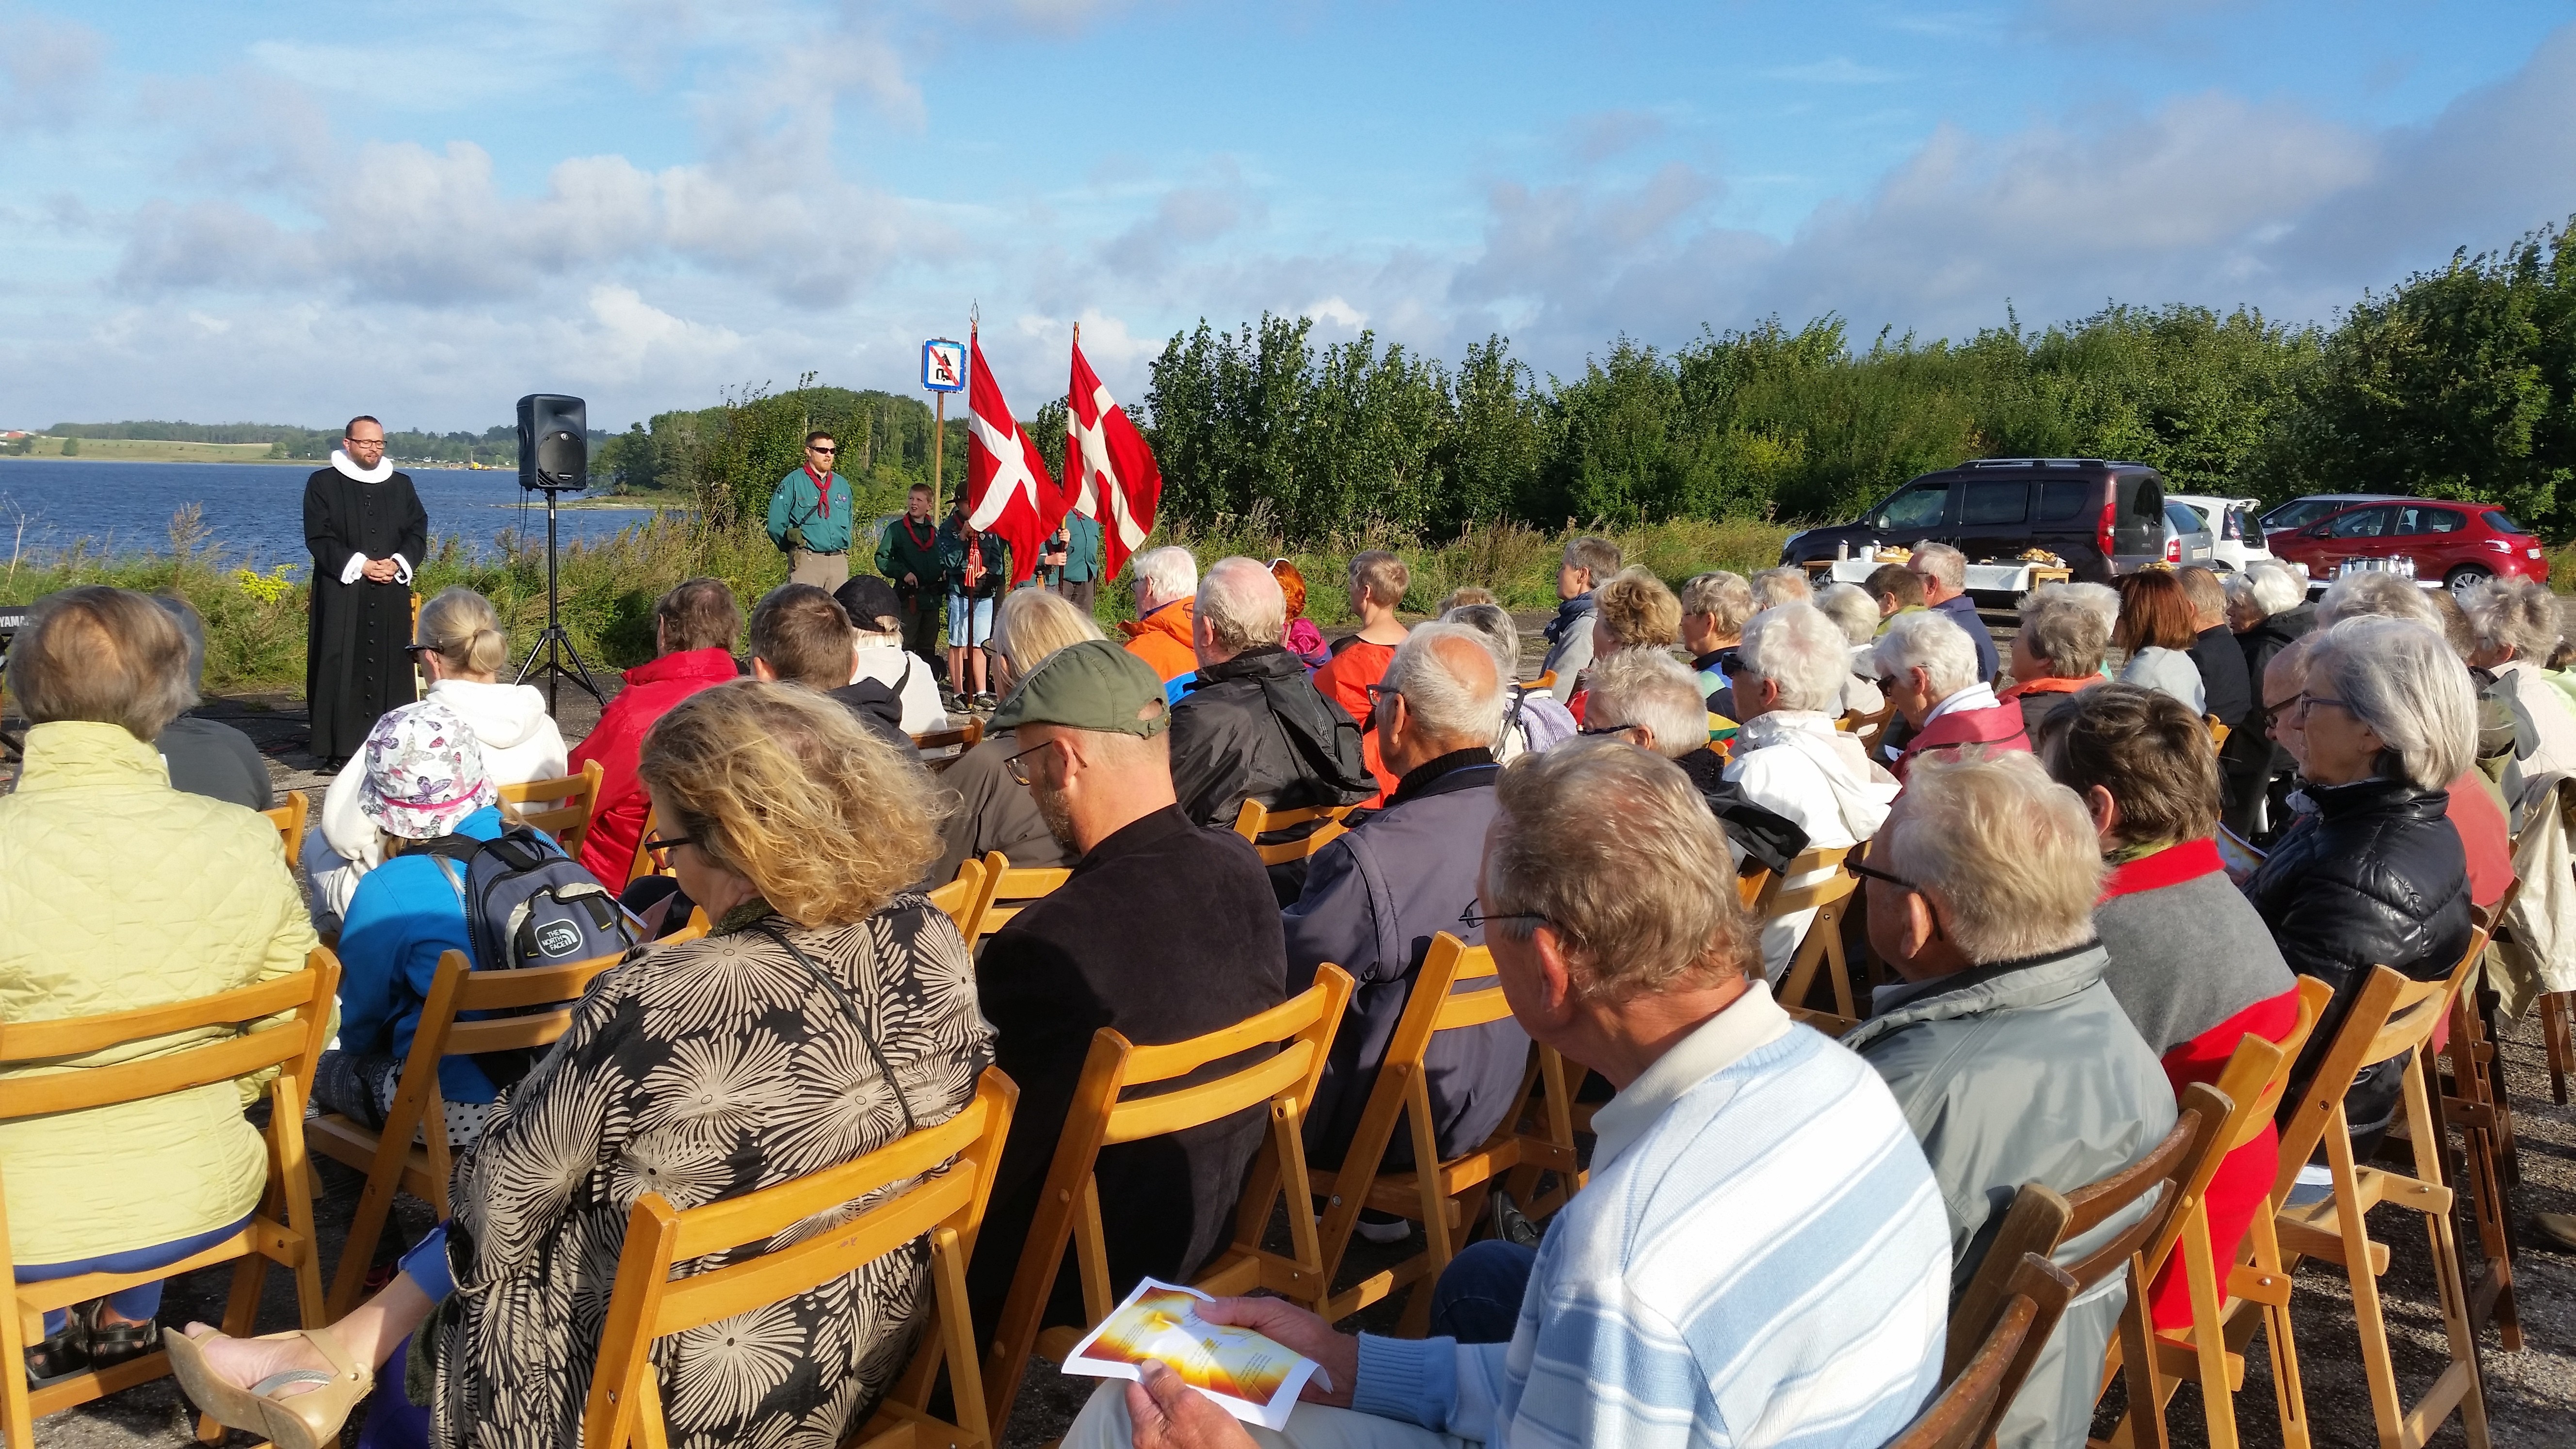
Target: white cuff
(402,569)
(356,565)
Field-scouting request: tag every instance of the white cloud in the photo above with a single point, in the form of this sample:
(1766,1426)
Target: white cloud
(48,70)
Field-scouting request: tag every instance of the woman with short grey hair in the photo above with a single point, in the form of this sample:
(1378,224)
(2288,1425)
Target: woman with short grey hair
(1856,614)
(1532,718)
(2517,624)
(2057,650)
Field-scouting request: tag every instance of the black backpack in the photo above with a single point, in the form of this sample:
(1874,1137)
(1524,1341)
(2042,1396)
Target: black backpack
(529,904)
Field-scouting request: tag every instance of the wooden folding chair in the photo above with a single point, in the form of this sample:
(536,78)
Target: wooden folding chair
(2476,1104)
(1870,729)
(1446,1197)
(563,806)
(2218,731)
(289,820)
(942,748)
(280,1025)
(1972,1401)
(1546,680)
(2390,1016)
(963,898)
(1102,1115)
(2255,1076)
(1546,1121)
(2034,1224)
(1254,821)
(542,998)
(1822,945)
(1009,890)
(942,1178)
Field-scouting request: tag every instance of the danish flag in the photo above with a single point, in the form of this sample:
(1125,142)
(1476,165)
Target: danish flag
(1009,492)
(1108,464)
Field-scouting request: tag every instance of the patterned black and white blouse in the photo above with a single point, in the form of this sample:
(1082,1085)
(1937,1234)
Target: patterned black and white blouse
(703,1071)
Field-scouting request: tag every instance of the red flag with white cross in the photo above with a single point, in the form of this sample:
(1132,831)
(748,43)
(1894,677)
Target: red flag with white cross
(1009,492)
(1109,469)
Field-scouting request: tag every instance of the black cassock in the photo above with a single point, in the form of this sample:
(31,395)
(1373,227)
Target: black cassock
(354,665)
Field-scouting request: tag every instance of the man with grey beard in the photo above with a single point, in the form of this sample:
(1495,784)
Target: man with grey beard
(1165,931)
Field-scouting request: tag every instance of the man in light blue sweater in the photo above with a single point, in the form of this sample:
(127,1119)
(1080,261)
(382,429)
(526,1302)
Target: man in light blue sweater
(1760,1257)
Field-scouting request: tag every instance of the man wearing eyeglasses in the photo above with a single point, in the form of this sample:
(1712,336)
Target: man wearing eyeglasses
(809,517)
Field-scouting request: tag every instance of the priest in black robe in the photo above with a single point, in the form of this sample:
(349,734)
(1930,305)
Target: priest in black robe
(366,528)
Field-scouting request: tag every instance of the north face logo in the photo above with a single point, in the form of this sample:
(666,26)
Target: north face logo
(558,938)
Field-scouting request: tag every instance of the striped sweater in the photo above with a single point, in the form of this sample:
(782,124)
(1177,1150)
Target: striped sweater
(1760,1258)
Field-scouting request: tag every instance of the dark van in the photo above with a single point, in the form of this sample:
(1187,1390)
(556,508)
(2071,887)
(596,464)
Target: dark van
(2104,518)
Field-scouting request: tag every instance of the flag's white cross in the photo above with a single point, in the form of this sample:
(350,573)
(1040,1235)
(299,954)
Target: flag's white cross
(1094,448)
(1010,472)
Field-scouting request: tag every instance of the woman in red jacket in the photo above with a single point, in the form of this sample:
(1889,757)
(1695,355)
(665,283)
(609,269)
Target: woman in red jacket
(693,629)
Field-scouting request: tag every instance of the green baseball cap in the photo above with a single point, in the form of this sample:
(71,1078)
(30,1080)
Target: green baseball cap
(1093,685)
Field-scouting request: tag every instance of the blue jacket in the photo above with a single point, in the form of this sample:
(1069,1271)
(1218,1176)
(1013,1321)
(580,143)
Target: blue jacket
(793,504)
(404,916)
(1963,612)
(1372,901)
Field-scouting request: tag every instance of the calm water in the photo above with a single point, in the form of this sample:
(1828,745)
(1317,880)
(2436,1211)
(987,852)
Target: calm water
(252,509)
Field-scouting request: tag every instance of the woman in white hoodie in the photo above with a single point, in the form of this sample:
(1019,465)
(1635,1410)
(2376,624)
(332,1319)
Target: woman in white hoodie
(461,651)
(1788,677)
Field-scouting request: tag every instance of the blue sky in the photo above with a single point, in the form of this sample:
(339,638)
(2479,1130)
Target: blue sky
(291,212)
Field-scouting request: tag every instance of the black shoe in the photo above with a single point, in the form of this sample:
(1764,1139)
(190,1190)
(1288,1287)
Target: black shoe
(62,1355)
(1508,1223)
(111,1344)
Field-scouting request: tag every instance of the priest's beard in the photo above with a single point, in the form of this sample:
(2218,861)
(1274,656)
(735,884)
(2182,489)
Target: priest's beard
(1057,812)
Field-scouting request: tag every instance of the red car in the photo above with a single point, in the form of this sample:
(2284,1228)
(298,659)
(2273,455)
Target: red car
(2459,543)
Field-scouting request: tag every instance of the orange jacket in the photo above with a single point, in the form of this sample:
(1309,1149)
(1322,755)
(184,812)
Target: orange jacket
(1162,639)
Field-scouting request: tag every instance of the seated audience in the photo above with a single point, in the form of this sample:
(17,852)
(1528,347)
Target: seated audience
(693,632)
(2227,691)
(1646,697)
(2268,603)
(1254,727)
(2056,651)
(1896,589)
(1164,580)
(2516,623)
(1466,594)
(1944,571)
(834,998)
(1378,582)
(1980,893)
(124,892)
(1714,608)
(1532,719)
(1376,894)
(1928,666)
(1302,639)
(1650,1313)
(1851,609)
(876,618)
(1790,759)
(461,651)
(2377,595)
(800,635)
(1165,931)
(1786,584)
(990,809)
(1635,611)
(208,757)
(1585,565)
(2191,963)
(2384,719)
(2156,633)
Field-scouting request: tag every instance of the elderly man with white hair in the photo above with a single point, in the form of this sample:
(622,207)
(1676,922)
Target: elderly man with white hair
(1927,665)
(1981,891)
(1165,580)
(1944,571)
(1759,1256)
(1647,698)
(1376,894)
(1788,676)
(1252,726)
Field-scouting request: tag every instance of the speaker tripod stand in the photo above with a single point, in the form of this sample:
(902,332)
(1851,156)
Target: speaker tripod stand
(554,643)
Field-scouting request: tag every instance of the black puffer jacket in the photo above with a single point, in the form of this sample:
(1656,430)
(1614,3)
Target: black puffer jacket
(1255,728)
(2250,762)
(2378,878)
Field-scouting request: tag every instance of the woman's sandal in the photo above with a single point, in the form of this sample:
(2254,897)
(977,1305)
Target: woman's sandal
(310,1420)
(59,1356)
(111,1344)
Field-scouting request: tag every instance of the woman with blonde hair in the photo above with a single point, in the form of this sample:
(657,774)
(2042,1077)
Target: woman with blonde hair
(832,1011)
(461,650)
(989,810)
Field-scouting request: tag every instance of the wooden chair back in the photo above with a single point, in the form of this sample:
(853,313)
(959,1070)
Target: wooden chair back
(2390,1015)
(1455,990)
(289,819)
(942,1178)
(2217,731)
(1009,890)
(1871,728)
(2034,1224)
(279,1025)
(1972,1401)
(1254,821)
(1822,945)
(561,807)
(963,898)
(458,1019)
(1103,1114)
(942,748)
(1546,680)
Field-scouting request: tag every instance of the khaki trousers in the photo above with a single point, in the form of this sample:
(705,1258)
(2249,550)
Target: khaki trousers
(825,571)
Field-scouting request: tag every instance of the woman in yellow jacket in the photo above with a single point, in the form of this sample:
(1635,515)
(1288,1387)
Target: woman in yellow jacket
(119,892)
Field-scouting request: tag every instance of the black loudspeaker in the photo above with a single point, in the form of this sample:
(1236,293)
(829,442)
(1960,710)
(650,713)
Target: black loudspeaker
(554,443)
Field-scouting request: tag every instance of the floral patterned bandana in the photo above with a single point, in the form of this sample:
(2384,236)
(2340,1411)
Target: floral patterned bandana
(424,772)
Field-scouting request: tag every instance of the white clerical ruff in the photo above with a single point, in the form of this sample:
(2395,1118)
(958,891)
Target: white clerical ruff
(341,464)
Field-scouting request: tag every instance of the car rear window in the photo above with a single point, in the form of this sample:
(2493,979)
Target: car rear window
(2185,518)
(2232,524)
(2502,522)
(1995,500)
(2067,499)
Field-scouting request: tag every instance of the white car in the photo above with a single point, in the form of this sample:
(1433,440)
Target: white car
(2238,539)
